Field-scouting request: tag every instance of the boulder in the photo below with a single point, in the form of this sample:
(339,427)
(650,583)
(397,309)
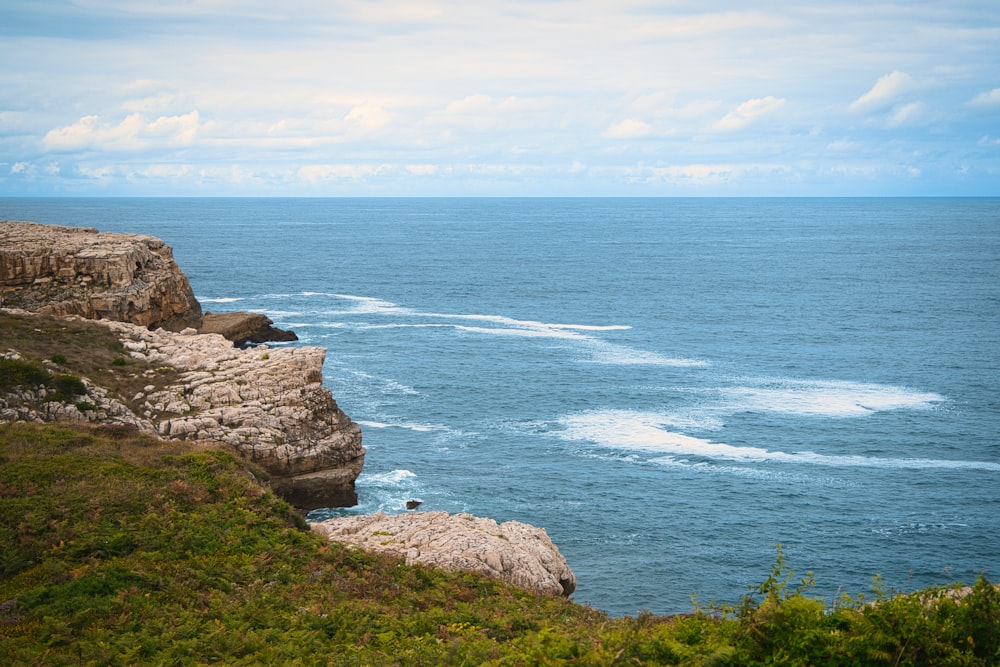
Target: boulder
(245,328)
(57,270)
(514,552)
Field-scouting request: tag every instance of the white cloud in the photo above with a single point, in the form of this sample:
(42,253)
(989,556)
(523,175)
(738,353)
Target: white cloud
(630,128)
(318,173)
(310,95)
(987,100)
(367,118)
(133,133)
(422,169)
(884,93)
(905,114)
(749,112)
(19,167)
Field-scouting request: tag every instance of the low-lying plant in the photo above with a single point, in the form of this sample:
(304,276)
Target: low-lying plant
(118,548)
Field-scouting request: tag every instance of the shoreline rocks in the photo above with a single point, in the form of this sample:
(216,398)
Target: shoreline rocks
(514,552)
(245,328)
(268,405)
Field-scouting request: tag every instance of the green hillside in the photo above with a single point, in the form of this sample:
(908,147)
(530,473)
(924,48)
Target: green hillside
(121,549)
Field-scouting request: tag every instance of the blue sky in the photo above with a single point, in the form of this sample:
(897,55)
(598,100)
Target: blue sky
(445,98)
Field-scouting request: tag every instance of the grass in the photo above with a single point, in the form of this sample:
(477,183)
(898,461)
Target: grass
(120,549)
(82,349)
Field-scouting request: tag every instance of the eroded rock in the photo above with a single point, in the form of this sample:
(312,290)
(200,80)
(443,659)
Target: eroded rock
(514,552)
(57,270)
(269,405)
(245,328)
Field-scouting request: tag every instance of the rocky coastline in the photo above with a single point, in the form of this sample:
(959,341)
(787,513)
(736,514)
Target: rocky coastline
(205,377)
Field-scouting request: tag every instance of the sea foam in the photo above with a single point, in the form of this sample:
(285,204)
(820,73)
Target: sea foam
(651,432)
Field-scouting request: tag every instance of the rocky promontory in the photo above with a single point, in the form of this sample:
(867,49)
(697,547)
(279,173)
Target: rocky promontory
(268,405)
(514,552)
(176,373)
(57,270)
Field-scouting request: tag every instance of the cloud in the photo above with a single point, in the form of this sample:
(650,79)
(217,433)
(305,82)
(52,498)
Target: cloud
(422,169)
(749,112)
(884,93)
(905,114)
(319,173)
(987,100)
(133,133)
(630,128)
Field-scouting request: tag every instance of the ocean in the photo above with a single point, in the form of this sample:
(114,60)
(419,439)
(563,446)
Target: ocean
(669,387)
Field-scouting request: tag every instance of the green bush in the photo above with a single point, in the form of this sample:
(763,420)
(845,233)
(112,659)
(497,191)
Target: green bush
(19,373)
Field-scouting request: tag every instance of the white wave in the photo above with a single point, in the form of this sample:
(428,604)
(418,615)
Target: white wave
(824,398)
(368,304)
(592,327)
(599,351)
(399,325)
(515,331)
(277,313)
(620,355)
(645,431)
(371,424)
(221,299)
(420,428)
(392,478)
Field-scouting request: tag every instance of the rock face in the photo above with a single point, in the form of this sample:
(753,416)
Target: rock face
(268,404)
(513,552)
(245,328)
(59,270)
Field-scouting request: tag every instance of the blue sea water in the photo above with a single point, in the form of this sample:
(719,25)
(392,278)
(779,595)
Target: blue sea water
(670,387)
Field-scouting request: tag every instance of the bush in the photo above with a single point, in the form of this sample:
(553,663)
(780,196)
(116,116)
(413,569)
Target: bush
(19,373)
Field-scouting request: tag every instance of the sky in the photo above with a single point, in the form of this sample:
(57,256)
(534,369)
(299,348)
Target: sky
(489,98)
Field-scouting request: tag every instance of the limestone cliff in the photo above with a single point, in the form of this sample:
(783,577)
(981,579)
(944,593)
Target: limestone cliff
(514,552)
(269,405)
(59,270)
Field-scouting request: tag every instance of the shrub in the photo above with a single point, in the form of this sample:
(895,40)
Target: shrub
(19,373)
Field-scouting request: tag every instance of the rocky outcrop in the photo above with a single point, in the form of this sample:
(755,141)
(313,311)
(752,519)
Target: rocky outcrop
(245,328)
(269,405)
(514,552)
(58,270)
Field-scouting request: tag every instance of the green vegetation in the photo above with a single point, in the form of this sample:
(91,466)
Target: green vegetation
(20,373)
(82,349)
(120,549)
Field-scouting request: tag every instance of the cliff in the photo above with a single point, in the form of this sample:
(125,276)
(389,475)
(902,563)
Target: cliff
(163,377)
(268,405)
(58,270)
